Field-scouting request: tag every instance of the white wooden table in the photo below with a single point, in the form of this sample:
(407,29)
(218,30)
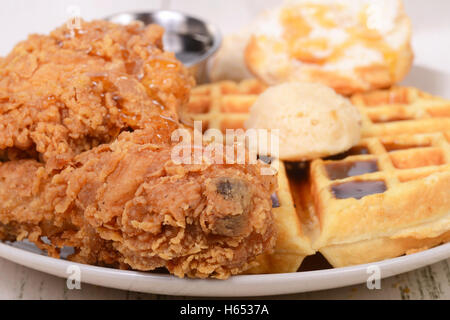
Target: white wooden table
(17,282)
(431,45)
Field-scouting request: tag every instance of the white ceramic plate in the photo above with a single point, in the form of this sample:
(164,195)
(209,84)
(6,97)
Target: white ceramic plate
(237,286)
(428,79)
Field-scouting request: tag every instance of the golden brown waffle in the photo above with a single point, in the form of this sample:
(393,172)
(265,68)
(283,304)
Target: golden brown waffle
(225,105)
(403,162)
(390,195)
(402,110)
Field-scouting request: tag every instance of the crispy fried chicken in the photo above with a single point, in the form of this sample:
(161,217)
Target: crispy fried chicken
(127,204)
(72,90)
(72,175)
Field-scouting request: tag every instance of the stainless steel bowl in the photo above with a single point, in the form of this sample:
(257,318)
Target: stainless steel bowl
(192,40)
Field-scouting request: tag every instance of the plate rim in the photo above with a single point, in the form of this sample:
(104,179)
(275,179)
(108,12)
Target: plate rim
(235,286)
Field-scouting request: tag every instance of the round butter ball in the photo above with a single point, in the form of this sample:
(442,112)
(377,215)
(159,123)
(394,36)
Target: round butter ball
(312,119)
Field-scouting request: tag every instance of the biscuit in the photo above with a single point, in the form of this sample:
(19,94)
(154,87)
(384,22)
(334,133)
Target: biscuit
(351,46)
(312,120)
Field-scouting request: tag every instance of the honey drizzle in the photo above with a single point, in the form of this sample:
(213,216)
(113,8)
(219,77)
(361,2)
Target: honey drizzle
(297,29)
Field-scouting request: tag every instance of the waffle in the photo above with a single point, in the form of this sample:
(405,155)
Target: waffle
(390,195)
(225,105)
(386,197)
(401,110)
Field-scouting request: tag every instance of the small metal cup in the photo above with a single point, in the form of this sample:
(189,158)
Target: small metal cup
(192,40)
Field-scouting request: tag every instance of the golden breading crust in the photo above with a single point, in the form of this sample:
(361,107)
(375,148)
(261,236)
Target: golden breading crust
(131,202)
(69,91)
(128,204)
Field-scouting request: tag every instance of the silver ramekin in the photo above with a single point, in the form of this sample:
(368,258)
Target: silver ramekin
(192,40)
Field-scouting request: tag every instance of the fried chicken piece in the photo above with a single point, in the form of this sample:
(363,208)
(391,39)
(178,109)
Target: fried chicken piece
(127,204)
(67,92)
(73,177)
